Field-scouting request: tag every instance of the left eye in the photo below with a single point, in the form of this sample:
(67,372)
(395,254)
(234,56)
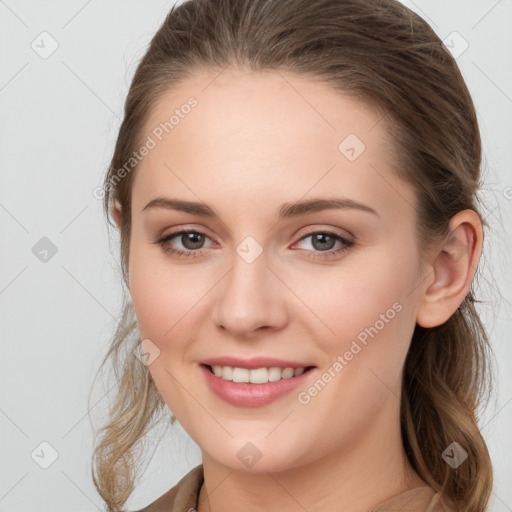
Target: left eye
(323,243)
(321,239)
(191,240)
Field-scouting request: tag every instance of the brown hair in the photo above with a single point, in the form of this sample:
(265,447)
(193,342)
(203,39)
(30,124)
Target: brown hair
(377,51)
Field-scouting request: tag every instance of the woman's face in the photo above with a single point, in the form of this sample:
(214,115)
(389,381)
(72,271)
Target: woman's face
(334,288)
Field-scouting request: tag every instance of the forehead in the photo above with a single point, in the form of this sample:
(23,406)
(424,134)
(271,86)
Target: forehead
(239,102)
(265,135)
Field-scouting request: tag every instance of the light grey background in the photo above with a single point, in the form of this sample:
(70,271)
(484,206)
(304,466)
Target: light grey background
(59,117)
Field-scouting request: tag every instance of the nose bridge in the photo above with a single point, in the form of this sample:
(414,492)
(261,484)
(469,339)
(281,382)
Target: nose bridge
(249,298)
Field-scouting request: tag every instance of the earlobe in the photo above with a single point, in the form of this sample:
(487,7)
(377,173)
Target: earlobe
(453,269)
(116,213)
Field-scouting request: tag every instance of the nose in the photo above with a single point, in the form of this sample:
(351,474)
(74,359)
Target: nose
(250,299)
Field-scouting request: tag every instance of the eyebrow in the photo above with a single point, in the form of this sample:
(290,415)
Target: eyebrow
(287,210)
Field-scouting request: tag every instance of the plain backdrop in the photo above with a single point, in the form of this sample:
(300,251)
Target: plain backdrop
(65,67)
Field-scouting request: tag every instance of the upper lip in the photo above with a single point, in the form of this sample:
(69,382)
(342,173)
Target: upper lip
(254,362)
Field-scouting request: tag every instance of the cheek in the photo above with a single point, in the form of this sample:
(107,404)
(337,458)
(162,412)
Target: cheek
(169,300)
(163,297)
(160,292)
(365,308)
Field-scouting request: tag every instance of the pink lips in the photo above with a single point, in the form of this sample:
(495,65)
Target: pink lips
(246,394)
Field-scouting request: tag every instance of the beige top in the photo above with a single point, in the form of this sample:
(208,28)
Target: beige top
(185,495)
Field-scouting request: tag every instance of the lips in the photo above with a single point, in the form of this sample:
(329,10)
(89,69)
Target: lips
(244,394)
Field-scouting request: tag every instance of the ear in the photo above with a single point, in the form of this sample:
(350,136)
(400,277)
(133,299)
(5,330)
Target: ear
(116,213)
(453,267)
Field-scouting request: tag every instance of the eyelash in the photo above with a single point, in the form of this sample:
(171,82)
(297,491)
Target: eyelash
(163,242)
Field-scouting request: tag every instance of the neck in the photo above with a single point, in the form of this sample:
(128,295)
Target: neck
(362,474)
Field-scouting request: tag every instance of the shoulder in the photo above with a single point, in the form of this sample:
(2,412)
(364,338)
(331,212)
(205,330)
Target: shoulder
(182,497)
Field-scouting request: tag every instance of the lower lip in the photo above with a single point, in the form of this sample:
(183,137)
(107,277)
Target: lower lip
(245,394)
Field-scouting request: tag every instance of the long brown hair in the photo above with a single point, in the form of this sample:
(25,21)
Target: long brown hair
(378,51)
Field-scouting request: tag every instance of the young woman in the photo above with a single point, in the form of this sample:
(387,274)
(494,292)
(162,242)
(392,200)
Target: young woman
(295,183)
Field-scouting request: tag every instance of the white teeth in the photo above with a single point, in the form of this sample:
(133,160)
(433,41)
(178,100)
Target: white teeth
(287,373)
(274,374)
(240,375)
(257,375)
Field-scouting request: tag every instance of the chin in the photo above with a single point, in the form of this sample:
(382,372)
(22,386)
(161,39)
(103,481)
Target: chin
(248,457)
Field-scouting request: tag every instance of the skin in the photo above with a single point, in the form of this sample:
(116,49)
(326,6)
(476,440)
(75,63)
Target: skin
(253,143)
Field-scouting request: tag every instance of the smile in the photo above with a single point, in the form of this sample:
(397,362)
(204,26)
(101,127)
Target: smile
(255,387)
(256,375)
